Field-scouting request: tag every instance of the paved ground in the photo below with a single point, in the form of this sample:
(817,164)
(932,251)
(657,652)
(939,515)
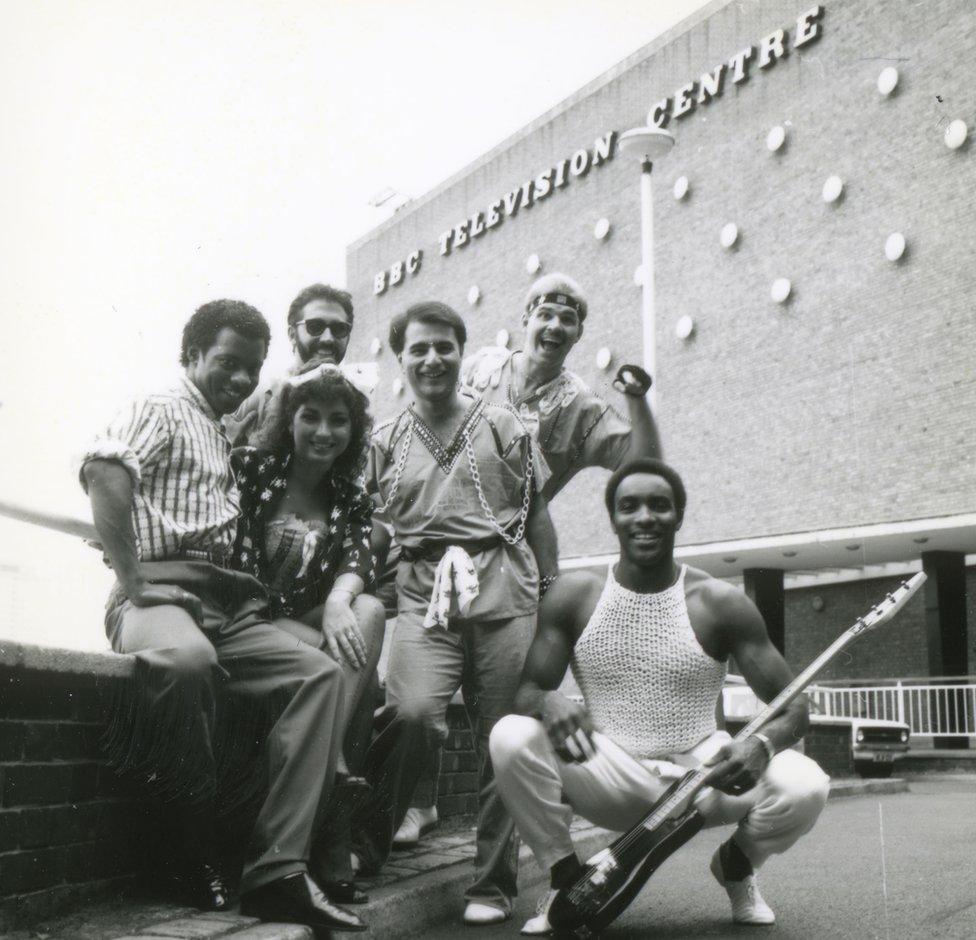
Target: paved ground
(890,866)
(838,883)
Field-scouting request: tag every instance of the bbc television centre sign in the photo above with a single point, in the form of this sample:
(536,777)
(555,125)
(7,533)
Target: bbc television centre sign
(699,92)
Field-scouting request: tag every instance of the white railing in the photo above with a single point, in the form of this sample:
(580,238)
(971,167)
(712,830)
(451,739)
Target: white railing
(928,707)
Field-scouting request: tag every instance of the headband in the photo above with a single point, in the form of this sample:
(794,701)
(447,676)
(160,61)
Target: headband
(562,300)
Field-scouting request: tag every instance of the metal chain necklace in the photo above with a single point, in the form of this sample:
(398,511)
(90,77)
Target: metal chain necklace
(526,498)
(401,462)
(476,478)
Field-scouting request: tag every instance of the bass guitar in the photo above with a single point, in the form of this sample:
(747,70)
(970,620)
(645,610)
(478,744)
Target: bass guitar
(614,876)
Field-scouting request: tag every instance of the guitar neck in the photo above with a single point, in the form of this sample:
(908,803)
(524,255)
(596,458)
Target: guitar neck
(694,779)
(799,683)
(692,782)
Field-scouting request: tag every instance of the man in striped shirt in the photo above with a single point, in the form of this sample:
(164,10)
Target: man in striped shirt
(165,506)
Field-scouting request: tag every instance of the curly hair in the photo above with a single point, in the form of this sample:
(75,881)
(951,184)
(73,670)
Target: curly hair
(207,321)
(320,292)
(275,431)
(654,467)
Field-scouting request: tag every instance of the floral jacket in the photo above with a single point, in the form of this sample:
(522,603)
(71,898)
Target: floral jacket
(262,478)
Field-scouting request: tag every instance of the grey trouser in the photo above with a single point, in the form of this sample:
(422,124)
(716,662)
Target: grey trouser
(615,791)
(171,722)
(426,668)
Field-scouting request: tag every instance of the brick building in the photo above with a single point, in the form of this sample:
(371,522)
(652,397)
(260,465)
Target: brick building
(825,439)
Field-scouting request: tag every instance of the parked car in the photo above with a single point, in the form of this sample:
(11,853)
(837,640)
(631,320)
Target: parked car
(876,744)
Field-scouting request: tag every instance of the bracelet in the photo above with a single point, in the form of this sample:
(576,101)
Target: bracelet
(335,591)
(767,745)
(547,582)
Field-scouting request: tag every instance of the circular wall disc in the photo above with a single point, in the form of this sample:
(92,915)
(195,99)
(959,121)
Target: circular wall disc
(832,188)
(776,138)
(781,289)
(956,134)
(894,246)
(888,80)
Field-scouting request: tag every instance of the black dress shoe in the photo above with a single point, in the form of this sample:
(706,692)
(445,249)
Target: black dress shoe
(344,892)
(296,899)
(203,886)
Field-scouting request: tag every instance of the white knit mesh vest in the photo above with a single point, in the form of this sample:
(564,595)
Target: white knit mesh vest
(647,681)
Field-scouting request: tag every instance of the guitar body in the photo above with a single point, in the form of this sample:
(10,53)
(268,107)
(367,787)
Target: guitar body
(615,876)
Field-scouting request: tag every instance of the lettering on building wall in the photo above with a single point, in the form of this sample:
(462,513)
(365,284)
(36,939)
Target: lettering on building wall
(397,272)
(522,197)
(700,92)
(708,86)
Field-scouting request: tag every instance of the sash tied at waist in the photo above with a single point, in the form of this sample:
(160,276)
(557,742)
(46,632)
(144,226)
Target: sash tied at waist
(456,578)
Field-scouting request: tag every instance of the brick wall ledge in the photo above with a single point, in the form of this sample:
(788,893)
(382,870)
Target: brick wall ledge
(66,662)
(71,829)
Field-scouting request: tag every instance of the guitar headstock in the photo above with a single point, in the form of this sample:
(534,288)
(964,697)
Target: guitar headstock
(892,603)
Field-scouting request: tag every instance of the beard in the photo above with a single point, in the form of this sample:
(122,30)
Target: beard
(316,351)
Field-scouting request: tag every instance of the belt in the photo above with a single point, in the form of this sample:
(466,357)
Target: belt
(434,549)
(221,558)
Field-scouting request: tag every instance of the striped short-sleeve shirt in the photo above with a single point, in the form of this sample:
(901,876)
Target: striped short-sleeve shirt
(174,448)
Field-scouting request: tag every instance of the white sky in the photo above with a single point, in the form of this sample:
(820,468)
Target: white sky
(154,156)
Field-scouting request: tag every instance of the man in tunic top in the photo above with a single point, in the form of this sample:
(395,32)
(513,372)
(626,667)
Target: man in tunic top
(165,507)
(574,427)
(649,649)
(459,480)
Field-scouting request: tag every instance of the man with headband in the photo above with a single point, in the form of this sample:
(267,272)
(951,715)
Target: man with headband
(574,426)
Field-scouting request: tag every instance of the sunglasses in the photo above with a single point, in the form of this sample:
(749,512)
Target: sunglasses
(316,327)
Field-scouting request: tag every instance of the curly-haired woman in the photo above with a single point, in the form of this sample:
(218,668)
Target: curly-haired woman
(304,532)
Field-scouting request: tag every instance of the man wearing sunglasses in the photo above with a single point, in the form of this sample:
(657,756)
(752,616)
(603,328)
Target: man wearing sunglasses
(319,324)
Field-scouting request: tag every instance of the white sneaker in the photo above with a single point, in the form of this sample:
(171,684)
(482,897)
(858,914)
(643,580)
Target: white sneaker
(539,925)
(748,906)
(415,824)
(478,914)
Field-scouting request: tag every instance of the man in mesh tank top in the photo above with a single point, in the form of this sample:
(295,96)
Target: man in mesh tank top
(649,649)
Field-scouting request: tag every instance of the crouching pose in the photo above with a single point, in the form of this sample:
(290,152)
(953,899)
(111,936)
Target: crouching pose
(649,649)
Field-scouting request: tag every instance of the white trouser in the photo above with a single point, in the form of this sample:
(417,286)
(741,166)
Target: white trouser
(615,791)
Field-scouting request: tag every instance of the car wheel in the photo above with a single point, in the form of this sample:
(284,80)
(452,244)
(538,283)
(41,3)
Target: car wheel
(874,771)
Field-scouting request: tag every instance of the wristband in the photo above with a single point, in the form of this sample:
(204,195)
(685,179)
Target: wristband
(767,745)
(643,380)
(335,591)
